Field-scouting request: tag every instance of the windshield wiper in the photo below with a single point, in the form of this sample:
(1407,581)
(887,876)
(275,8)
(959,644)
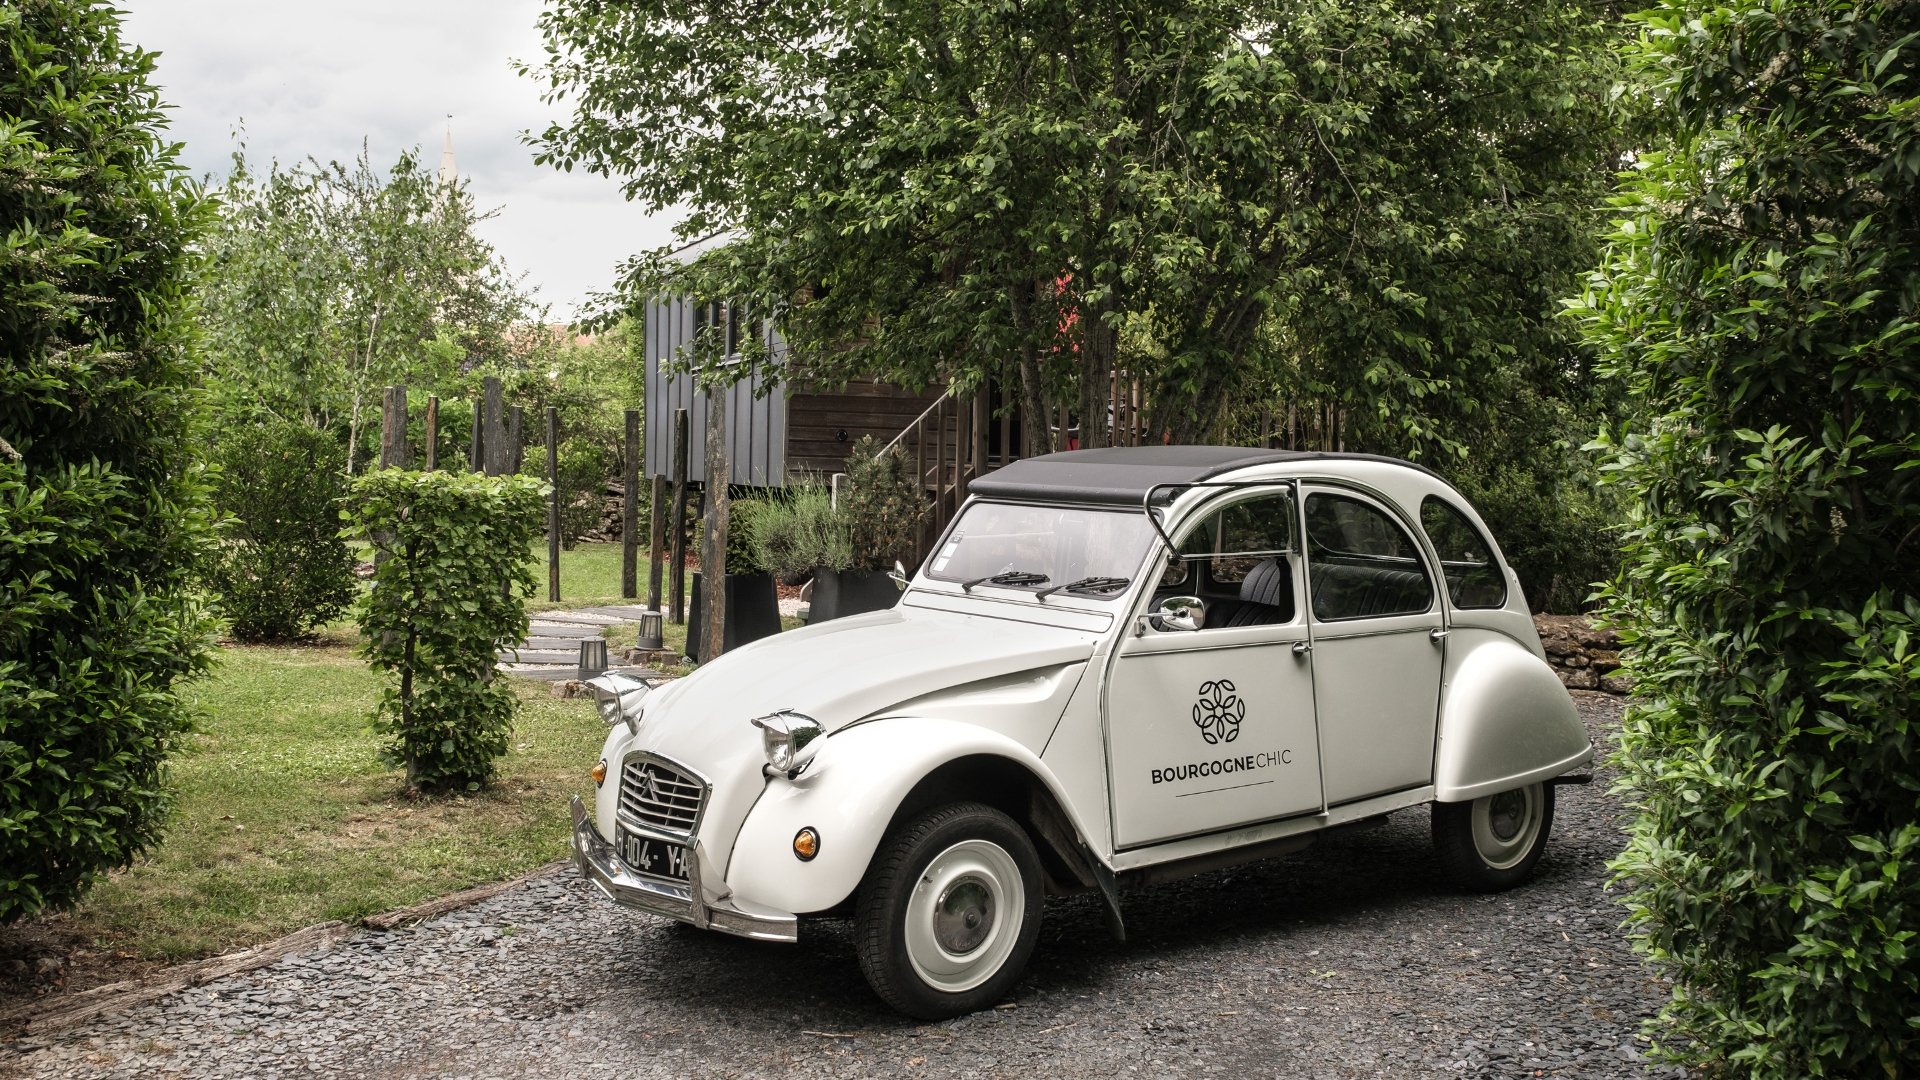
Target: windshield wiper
(1011,578)
(1086,585)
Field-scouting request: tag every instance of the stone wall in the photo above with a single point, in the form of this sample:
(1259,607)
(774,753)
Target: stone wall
(1583,657)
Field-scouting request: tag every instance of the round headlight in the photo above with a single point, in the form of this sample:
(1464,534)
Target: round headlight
(609,707)
(789,739)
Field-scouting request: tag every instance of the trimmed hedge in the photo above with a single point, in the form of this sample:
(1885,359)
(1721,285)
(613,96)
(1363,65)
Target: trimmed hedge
(103,513)
(1759,297)
(449,592)
(283,568)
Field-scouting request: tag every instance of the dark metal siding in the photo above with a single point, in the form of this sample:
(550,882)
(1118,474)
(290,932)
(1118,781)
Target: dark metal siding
(756,422)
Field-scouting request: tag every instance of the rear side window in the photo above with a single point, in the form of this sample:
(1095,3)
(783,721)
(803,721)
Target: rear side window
(1360,563)
(1473,577)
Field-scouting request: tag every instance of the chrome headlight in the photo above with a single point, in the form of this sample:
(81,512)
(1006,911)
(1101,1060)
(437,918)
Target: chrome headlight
(790,738)
(618,698)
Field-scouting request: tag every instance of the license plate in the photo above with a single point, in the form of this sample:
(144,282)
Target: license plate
(656,857)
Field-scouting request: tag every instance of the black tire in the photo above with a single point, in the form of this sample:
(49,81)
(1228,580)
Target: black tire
(1492,844)
(900,885)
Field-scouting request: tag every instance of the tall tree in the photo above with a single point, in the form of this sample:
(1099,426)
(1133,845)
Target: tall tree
(955,189)
(326,282)
(103,514)
(1760,296)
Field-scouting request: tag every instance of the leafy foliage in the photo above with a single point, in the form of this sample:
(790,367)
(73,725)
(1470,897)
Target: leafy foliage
(1379,201)
(449,593)
(582,483)
(884,508)
(283,568)
(103,513)
(799,531)
(1759,294)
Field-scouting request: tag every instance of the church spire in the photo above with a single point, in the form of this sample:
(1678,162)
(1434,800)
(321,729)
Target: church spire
(449,176)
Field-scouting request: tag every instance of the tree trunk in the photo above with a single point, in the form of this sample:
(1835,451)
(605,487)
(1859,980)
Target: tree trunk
(1036,404)
(713,547)
(1099,342)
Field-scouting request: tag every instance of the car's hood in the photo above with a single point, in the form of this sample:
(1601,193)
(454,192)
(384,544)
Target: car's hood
(850,668)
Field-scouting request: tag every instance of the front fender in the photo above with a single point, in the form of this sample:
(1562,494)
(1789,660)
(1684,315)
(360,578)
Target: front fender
(848,795)
(1505,720)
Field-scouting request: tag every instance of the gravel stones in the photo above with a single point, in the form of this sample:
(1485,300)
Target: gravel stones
(1349,959)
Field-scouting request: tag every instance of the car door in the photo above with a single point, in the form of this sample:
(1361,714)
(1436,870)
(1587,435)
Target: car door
(1377,646)
(1214,727)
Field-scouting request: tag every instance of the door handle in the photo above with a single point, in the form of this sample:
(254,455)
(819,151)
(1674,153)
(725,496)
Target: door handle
(1301,648)
(1437,635)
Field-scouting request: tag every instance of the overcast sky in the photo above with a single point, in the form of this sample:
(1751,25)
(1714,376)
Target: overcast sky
(315,78)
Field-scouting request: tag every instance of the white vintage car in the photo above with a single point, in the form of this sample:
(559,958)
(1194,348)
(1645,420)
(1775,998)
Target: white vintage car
(1118,667)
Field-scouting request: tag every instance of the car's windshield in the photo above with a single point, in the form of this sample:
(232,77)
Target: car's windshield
(1092,554)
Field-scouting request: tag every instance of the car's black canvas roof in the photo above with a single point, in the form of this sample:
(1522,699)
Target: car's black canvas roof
(1124,474)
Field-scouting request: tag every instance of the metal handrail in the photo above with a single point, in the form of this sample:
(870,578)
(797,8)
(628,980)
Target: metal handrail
(917,421)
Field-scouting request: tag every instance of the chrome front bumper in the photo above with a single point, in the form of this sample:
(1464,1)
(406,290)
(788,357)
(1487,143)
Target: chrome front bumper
(694,902)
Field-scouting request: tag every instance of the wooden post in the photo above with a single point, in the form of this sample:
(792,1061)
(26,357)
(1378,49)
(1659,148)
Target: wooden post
(433,432)
(940,466)
(630,510)
(713,547)
(516,445)
(677,565)
(1006,428)
(656,537)
(393,428)
(553,504)
(477,452)
(977,423)
(495,440)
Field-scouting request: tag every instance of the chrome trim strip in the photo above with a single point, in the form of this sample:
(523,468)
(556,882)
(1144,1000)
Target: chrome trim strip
(1270,830)
(596,861)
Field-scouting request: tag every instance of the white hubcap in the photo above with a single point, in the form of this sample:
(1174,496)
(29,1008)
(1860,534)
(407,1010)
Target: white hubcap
(1505,825)
(965,915)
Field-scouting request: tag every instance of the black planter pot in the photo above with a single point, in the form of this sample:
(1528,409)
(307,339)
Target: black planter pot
(753,612)
(840,593)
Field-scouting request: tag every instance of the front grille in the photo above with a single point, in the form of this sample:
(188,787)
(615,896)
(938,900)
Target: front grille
(656,793)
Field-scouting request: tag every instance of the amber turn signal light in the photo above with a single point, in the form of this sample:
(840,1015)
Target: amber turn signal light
(806,844)
(599,773)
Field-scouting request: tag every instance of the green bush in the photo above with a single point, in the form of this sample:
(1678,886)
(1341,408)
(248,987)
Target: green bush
(1758,296)
(883,504)
(103,512)
(450,593)
(283,568)
(799,530)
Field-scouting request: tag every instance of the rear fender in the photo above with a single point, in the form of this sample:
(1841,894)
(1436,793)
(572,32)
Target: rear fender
(1505,720)
(849,795)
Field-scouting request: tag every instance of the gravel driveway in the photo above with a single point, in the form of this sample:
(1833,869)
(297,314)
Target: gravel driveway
(1351,958)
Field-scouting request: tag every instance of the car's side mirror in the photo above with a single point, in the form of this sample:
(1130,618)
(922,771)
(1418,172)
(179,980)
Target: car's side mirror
(898,575)
(1177,613)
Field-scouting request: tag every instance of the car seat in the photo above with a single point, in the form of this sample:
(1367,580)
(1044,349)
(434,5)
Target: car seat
(1266,596)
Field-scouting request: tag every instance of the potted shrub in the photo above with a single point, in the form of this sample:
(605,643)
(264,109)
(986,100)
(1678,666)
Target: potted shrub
(753,604)
(799,533)
(882,508)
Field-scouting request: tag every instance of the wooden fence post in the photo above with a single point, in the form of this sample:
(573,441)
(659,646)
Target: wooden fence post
(553,504)
(677,587)
(494,443)
(433,432)
(393,428)
(477,450)
(656,538)
(630,510)
(516,450)
(713,549)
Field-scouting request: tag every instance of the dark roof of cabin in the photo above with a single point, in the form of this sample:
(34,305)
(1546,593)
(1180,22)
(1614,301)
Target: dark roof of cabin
(1123,475)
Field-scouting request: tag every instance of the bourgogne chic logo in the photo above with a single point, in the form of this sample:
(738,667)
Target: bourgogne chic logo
(1218,712)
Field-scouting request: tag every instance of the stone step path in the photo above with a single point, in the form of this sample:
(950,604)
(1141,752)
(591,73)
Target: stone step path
(551,649)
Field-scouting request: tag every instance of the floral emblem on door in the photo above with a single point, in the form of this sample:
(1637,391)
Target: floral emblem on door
(1218,712)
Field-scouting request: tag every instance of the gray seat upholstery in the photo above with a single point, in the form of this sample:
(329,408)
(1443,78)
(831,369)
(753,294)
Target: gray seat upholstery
(1266,596)
(1346,591)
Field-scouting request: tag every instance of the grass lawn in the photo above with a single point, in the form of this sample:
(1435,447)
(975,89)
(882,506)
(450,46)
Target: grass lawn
(590,576)
(287,818)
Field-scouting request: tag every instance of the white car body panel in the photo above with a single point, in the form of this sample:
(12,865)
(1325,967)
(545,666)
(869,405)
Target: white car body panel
(951,672)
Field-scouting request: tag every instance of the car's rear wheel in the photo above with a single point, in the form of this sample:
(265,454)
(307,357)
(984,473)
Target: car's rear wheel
(949,911)
(1492,843)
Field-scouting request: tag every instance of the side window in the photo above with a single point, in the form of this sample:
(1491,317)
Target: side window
(1473,577)
(1239,555)
(1361,564)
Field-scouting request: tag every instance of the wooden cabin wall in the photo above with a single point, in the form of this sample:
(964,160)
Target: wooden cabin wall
(822,428)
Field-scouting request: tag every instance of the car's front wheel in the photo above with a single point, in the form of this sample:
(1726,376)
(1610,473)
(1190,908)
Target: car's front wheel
(949,911)
(1492,843)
